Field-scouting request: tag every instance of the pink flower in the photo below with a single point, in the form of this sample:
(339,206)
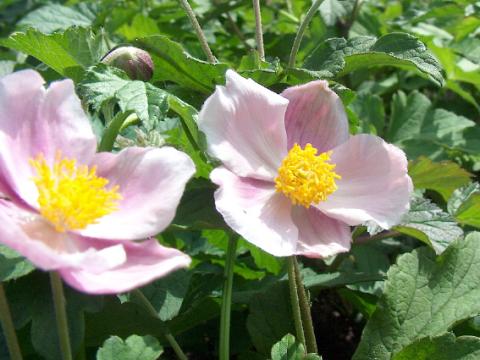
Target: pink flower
(74,211)
(293,181)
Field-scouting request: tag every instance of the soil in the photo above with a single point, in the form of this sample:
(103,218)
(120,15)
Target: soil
(336,328)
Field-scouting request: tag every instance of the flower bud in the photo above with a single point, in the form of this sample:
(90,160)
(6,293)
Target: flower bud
(135,62)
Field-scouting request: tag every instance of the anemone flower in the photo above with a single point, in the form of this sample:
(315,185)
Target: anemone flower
(71,210)
(292,179)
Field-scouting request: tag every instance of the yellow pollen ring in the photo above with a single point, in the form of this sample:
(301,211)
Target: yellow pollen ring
(305,177)
(72,197)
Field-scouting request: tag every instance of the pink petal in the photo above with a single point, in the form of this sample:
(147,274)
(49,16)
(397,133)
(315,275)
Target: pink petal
(244,126)
(33,121)
(254,210)
(375,184)
(145,262)
(318,235)
(37,240)
(315,115)
(151,183)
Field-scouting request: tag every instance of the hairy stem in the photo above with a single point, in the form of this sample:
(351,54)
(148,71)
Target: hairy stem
(310,340)
(8,327)
(198,30)
(61,315)
(297,315)
(258,29)
(301,32)
(227,299)
(166,332)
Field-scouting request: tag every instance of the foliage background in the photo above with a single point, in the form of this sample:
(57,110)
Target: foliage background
(407,71)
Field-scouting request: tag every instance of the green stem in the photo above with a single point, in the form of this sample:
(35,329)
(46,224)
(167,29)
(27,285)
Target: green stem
(61,315)
(111,132)
(166,332)
(198,30)
(8,327)
(258,29)
(301,32)
(297,315)
(227,299)
(310,340)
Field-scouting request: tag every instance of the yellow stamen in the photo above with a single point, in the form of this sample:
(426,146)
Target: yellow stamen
(70,196)
(305,177)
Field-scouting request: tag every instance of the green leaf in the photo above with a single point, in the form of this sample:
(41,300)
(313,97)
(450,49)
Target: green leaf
(13,265)
(270,317)
(264,260)
(102,83)
(290,349)
(443,177)
(166,295)
(134,348)
(371,112)
(173,63)
(338,57)
(68,53)
(424,295)
(55,17)
(428,223)
(338,279)
(464,204)
(333,10)
(446,347)
(197,208)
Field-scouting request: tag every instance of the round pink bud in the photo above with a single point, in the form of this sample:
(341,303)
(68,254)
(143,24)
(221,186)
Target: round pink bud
(137,63)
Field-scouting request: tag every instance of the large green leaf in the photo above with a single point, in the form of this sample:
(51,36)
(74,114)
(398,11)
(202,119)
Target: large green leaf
(424,296)
(445,347)
(270,317)
(443,177)
(134,348)
(55,17)
(173,63)
(338,57)
(430,224)
(68,53)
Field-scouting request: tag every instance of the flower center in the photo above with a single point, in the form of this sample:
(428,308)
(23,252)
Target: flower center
(305,177)
(70,196)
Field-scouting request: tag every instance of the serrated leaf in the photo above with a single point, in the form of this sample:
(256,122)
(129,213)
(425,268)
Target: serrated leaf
(13,265)
(424,295)
(338,57)
(133,348)
(68,53)
(428,223)
(469,211)
(102,83)
(290,349)
(55,17)
(446,347)
(443,177)
(173,63)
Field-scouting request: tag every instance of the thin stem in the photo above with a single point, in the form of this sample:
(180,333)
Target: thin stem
(61,315)
(198,30)
(301,32)
(8,327)
(111,132)
(227,299)
(310,340)
(166,332)
(258,29)
(297,315)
